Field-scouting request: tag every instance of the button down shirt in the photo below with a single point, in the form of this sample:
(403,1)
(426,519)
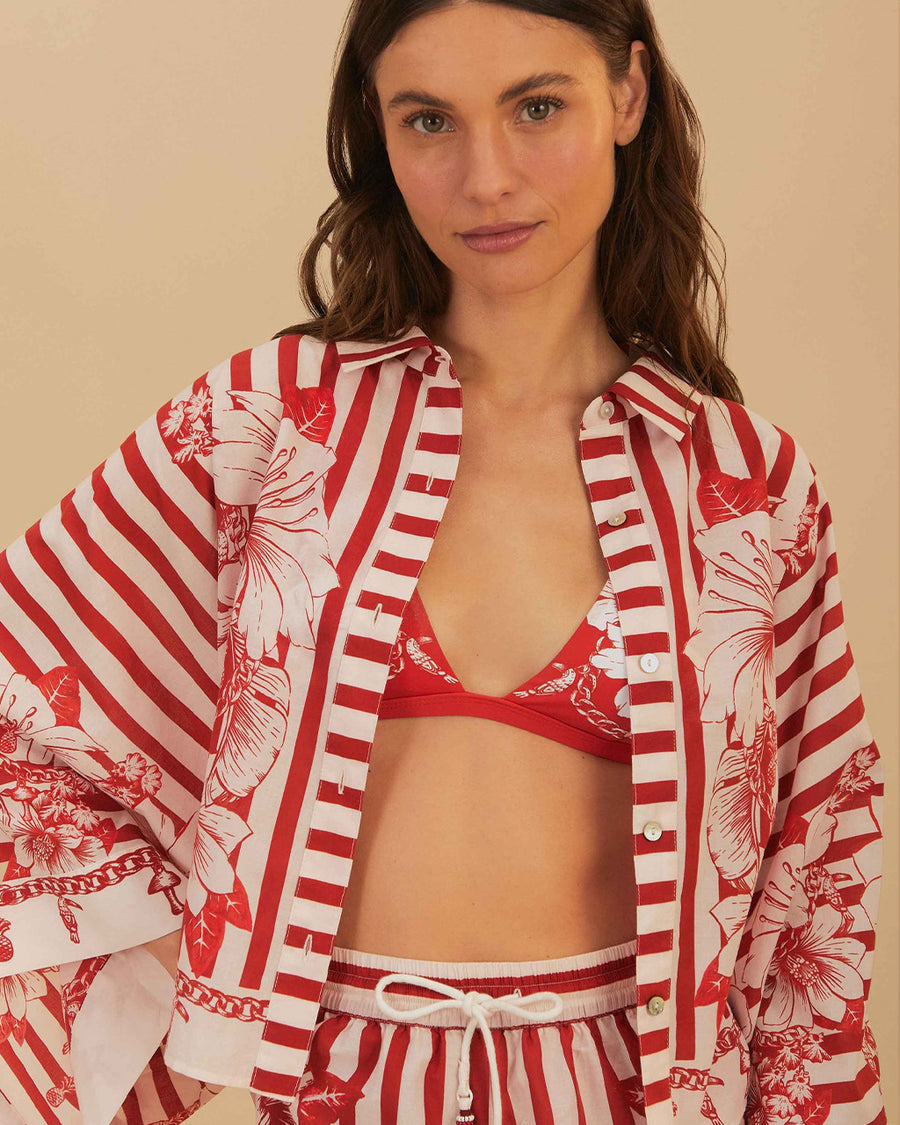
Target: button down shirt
(193,646)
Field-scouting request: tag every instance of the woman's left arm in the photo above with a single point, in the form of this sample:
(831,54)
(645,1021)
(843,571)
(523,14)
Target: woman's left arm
(804,966)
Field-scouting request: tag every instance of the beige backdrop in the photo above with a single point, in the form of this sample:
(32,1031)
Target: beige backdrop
(163,165)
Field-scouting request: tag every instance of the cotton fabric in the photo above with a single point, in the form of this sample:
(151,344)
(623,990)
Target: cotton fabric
(579,1065)
(193,646)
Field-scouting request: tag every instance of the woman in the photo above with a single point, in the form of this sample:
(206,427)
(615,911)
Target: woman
(618,854)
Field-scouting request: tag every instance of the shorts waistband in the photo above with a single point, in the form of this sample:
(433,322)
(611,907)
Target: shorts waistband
(586,984)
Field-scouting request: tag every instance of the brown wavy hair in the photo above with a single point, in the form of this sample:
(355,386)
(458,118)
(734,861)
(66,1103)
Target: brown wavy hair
(653,263)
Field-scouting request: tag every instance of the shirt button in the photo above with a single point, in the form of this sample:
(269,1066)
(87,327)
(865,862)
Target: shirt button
(649,662)
(617,519)
(655,1005)
(607,410)
(652,830)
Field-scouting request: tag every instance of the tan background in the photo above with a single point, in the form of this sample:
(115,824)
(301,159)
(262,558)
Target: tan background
(163,165)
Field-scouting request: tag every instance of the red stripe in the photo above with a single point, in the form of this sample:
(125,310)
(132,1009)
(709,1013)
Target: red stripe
(239,377)
(643,846)
(159,557)
(397,564)
(288,364)
(302,988)
(350,798)
(416,482)
(658,892)
(27,1085)
(356,698)
(414,525)
(343,746)
(652,1042)
(653,741)
(143,598)
(435,1073)
(656,1092)
(369,648)
(285,1036)
(749,439)
(655,792)
(787,463)
(352,437)
(163,1086)
(671,535)
(275,1085)
(201,544)
(533,1062)
(630,556)
(641,597)
(566,1033)
(389,1091)
(104,633)
(614,1084)
(333,843)
(657,941)
(651,691)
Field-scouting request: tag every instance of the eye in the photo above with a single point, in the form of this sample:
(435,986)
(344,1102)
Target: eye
(409,122)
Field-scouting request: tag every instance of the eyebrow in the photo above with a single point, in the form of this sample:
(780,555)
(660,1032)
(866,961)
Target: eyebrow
(547,78)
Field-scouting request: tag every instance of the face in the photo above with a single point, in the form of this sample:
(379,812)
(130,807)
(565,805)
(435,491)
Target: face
(467,150)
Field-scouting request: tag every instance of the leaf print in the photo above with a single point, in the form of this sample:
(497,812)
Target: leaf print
(312,411)
(326,1099)
(15,992)
(219,832)
(731,914)
(203,934)
(780,1091)
(253,712)
(742,804)
(273,1111)
(723,497)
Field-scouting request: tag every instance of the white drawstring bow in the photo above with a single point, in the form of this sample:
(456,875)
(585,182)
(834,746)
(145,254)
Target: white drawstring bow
(478,1006)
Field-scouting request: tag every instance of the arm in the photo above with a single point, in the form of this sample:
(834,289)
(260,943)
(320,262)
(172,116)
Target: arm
(109,671)
(804,968)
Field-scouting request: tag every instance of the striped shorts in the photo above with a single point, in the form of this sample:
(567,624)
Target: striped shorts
(408,1042)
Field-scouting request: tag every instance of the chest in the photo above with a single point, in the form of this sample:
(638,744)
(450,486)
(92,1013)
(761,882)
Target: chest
(515,564)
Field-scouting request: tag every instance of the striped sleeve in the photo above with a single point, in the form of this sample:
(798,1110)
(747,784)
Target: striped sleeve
(809,945)
(109,672)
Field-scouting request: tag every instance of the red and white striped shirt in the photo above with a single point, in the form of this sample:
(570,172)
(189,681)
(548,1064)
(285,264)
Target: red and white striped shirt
(193,646)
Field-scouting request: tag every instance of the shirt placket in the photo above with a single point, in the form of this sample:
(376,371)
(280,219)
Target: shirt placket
(362,671)
(633,565)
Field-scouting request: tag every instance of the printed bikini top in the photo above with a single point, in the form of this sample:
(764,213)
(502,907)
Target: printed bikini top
(579,699)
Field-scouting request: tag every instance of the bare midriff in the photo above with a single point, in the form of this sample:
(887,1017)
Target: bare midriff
(480,841)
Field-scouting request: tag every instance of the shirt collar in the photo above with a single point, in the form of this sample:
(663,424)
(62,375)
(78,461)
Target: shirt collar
(650,385)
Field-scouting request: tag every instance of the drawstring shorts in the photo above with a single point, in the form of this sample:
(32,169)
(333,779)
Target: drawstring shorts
(400,1041)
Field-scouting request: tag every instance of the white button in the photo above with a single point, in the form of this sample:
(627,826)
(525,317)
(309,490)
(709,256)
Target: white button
(652,830)
(655,1005)
(649,662)
(618,518)
(607,410)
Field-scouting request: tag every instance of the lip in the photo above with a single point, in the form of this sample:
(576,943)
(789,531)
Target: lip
(499,243)
(497,228)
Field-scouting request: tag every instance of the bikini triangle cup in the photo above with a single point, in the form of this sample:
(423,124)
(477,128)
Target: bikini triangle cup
(572,699)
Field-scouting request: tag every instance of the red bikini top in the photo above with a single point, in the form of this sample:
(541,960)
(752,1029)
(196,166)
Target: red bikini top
(580,698)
